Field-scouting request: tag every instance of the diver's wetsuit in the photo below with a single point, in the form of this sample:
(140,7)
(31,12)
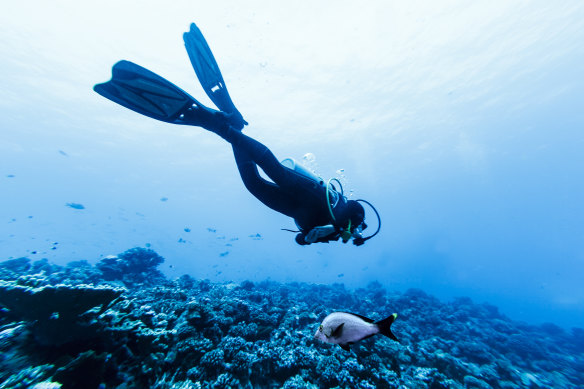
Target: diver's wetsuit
(290,193)
(319,217)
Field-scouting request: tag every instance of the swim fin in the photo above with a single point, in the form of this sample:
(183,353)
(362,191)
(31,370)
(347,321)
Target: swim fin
(145,92)
(208,72)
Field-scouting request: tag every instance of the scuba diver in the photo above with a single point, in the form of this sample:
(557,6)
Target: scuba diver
(321,211)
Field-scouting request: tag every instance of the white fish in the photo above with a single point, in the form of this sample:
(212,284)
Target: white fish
(345,328)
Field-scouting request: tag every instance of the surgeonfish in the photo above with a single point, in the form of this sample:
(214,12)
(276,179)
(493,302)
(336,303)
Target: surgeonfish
(345,328)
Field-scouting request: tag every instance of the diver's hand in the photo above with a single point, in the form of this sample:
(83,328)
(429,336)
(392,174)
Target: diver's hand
(319,232)
(358,241)
(300,240)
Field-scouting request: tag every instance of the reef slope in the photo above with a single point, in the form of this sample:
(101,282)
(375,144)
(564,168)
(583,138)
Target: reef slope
(122,324)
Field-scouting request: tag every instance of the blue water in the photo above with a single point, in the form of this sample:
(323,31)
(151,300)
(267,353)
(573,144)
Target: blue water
(461,123)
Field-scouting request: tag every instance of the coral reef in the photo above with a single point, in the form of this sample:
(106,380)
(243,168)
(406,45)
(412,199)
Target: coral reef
(73,326)
(133,267)
(55,311)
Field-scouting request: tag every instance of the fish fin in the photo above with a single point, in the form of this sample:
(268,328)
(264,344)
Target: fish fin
(338,331)
(385,326)
(368,320)
(345,346)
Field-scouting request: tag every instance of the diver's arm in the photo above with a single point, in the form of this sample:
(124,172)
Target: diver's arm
(319,232)
(323,234)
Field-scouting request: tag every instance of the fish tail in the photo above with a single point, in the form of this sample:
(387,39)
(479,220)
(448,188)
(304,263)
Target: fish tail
(385,326)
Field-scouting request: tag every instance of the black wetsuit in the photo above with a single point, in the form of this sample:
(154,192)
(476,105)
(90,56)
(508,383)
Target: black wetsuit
(290,193)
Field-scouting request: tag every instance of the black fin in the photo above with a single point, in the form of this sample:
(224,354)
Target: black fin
(385,326)
(338,331)
(209,74)
(368,320)
(145,92)
(345,346)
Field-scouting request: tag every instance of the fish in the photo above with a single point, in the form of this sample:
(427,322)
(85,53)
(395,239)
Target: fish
(345,328)
(75,205)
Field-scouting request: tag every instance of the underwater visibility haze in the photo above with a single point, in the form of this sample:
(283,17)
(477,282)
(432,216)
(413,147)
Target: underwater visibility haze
(461,122)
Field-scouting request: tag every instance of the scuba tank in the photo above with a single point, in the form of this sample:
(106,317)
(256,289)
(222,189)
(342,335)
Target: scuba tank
(291,163)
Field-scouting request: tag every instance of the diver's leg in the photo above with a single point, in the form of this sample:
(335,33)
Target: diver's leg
(255,151)
(287,188)
(269,193)
(218,122)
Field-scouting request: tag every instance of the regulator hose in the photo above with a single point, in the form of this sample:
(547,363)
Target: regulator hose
(328,201)
(378,220)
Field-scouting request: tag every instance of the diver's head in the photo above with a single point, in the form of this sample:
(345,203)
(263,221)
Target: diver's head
(353,216)
(355,213)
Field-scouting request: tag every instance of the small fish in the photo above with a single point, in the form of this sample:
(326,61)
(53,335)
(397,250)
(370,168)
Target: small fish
(75,205)
(344,328)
